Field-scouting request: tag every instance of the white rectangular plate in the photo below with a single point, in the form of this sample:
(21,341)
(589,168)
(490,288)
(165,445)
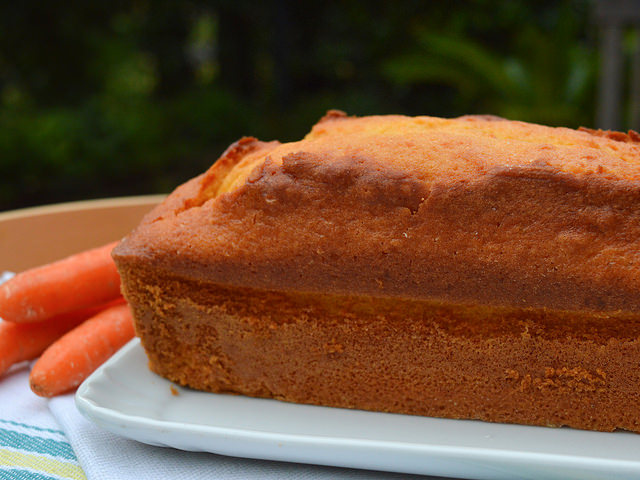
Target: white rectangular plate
(124,397)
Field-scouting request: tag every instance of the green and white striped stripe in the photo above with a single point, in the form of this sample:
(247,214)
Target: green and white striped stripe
(30,452)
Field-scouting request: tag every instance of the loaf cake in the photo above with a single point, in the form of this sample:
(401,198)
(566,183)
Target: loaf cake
(468,268)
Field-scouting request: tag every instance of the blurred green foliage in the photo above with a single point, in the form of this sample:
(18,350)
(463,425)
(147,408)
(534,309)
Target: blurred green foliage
(100,99)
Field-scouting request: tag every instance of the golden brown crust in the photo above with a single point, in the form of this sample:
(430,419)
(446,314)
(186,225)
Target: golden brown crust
(333,115)
(631,136)
(535,234)
(213,180)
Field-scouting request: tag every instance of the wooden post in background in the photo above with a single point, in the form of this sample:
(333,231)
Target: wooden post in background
(614,18)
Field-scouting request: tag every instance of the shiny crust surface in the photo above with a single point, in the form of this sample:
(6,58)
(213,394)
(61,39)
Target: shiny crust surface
(476,210)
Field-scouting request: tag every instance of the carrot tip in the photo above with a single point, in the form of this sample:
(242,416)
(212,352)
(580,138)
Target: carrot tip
(37,389)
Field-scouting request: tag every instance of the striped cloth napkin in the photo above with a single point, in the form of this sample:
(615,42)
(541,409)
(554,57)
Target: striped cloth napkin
(32,444)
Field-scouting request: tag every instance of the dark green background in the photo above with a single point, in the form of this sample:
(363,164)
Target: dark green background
(104,99)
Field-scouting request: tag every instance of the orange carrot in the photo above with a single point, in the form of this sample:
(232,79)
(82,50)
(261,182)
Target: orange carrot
(82,280)
(26,341)
(68,361)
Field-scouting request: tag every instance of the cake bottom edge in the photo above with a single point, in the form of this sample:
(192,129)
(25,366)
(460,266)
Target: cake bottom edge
(529,368)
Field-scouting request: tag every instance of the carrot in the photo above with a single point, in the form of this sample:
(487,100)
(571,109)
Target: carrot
(26,341)
(68,361)
(79,281)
